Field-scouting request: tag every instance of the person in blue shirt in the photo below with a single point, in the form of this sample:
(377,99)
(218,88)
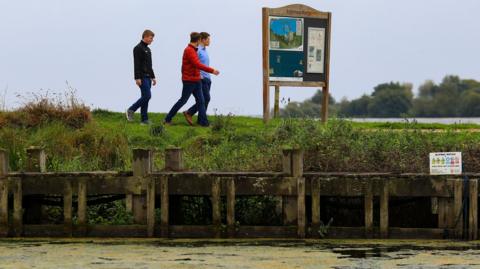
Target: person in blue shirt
(206,79)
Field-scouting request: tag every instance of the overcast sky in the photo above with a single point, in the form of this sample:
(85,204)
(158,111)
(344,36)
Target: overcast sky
(89,44)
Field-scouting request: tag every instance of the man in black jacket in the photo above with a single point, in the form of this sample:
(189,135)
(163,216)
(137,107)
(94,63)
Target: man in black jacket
(144,76)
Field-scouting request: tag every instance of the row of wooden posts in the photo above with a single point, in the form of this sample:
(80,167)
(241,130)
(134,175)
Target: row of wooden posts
(142,185)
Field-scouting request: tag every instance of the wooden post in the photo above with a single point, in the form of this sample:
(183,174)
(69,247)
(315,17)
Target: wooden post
(174,159)
(231,207)
(384,209)
(164,206)
(315,206)
(301,207)
(3,193)
(289,203)
(457,207)
(36,162)
(82,206)
(142,166)
(216,214)
(67,207)
(368,208)
(266,66)
(473,210)
(326,89)
(151,207)
(17,208)
(276,105)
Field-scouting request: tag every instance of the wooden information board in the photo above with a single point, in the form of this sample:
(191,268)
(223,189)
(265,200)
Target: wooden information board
(296,52)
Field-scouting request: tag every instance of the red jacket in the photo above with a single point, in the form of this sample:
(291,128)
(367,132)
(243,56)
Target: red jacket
(191,65)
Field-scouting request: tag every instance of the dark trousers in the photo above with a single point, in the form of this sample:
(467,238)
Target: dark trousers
(142,103)
(206,85)
(190,88)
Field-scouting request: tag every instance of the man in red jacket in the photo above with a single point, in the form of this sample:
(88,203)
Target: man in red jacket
(191,78)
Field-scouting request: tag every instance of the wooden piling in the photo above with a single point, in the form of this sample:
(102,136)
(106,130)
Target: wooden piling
(301,218)
(368,209)
(292,166)
(67,208)
(17,208)
(473,210)
(142,166)
(457,207)
(384,209)
(231,207)
(35,162)
(151,207)
(3,193)
(315,206)
(216,201)
(173,159)
(82,206)
(164,206)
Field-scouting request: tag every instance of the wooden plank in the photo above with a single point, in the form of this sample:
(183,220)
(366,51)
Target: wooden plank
(457,207)
(17,208)
(164,182)
(312,84)
(67,208)
(231,207)
(151,208)
(266,64)
(82,205)
(216,214)
(34,184)
(301,218)
(368,210)
(315,206)
(298,10)
(384,209)
(326,88)
(473,210)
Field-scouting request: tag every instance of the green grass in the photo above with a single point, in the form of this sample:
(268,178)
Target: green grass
(241,143)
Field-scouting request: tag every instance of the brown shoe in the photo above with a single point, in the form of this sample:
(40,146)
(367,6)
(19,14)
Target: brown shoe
(188,118)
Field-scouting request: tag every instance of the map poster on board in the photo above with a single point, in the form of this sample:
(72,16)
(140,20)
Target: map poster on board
(286,34)
(286,49)
(446,163)
(316,50)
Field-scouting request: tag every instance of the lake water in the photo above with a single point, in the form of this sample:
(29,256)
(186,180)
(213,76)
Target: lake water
(148,253)
(421,120)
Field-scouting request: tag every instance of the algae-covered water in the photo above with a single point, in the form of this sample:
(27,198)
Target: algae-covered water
(139,253)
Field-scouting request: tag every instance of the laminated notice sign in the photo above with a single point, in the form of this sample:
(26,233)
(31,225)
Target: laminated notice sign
(446,163)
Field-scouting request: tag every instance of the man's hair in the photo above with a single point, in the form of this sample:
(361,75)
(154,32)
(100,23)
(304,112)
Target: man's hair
(204,35)
(147,33)
(194,37)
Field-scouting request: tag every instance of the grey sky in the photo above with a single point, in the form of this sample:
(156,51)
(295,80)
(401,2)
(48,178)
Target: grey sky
(89,44)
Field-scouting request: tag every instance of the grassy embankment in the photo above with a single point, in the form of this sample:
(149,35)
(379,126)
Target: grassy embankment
(76,139)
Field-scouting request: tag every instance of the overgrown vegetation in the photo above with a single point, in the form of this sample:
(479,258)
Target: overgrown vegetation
(103,140)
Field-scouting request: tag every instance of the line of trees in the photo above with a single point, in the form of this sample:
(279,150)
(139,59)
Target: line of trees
(453,97)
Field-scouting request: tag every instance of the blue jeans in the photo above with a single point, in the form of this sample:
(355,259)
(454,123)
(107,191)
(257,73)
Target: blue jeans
(206,85)
(190,88)
(142,103)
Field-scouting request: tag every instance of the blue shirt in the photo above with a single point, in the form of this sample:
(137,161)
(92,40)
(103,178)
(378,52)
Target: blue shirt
(204,59)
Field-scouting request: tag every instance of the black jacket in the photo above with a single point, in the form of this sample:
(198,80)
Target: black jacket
(142,58)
